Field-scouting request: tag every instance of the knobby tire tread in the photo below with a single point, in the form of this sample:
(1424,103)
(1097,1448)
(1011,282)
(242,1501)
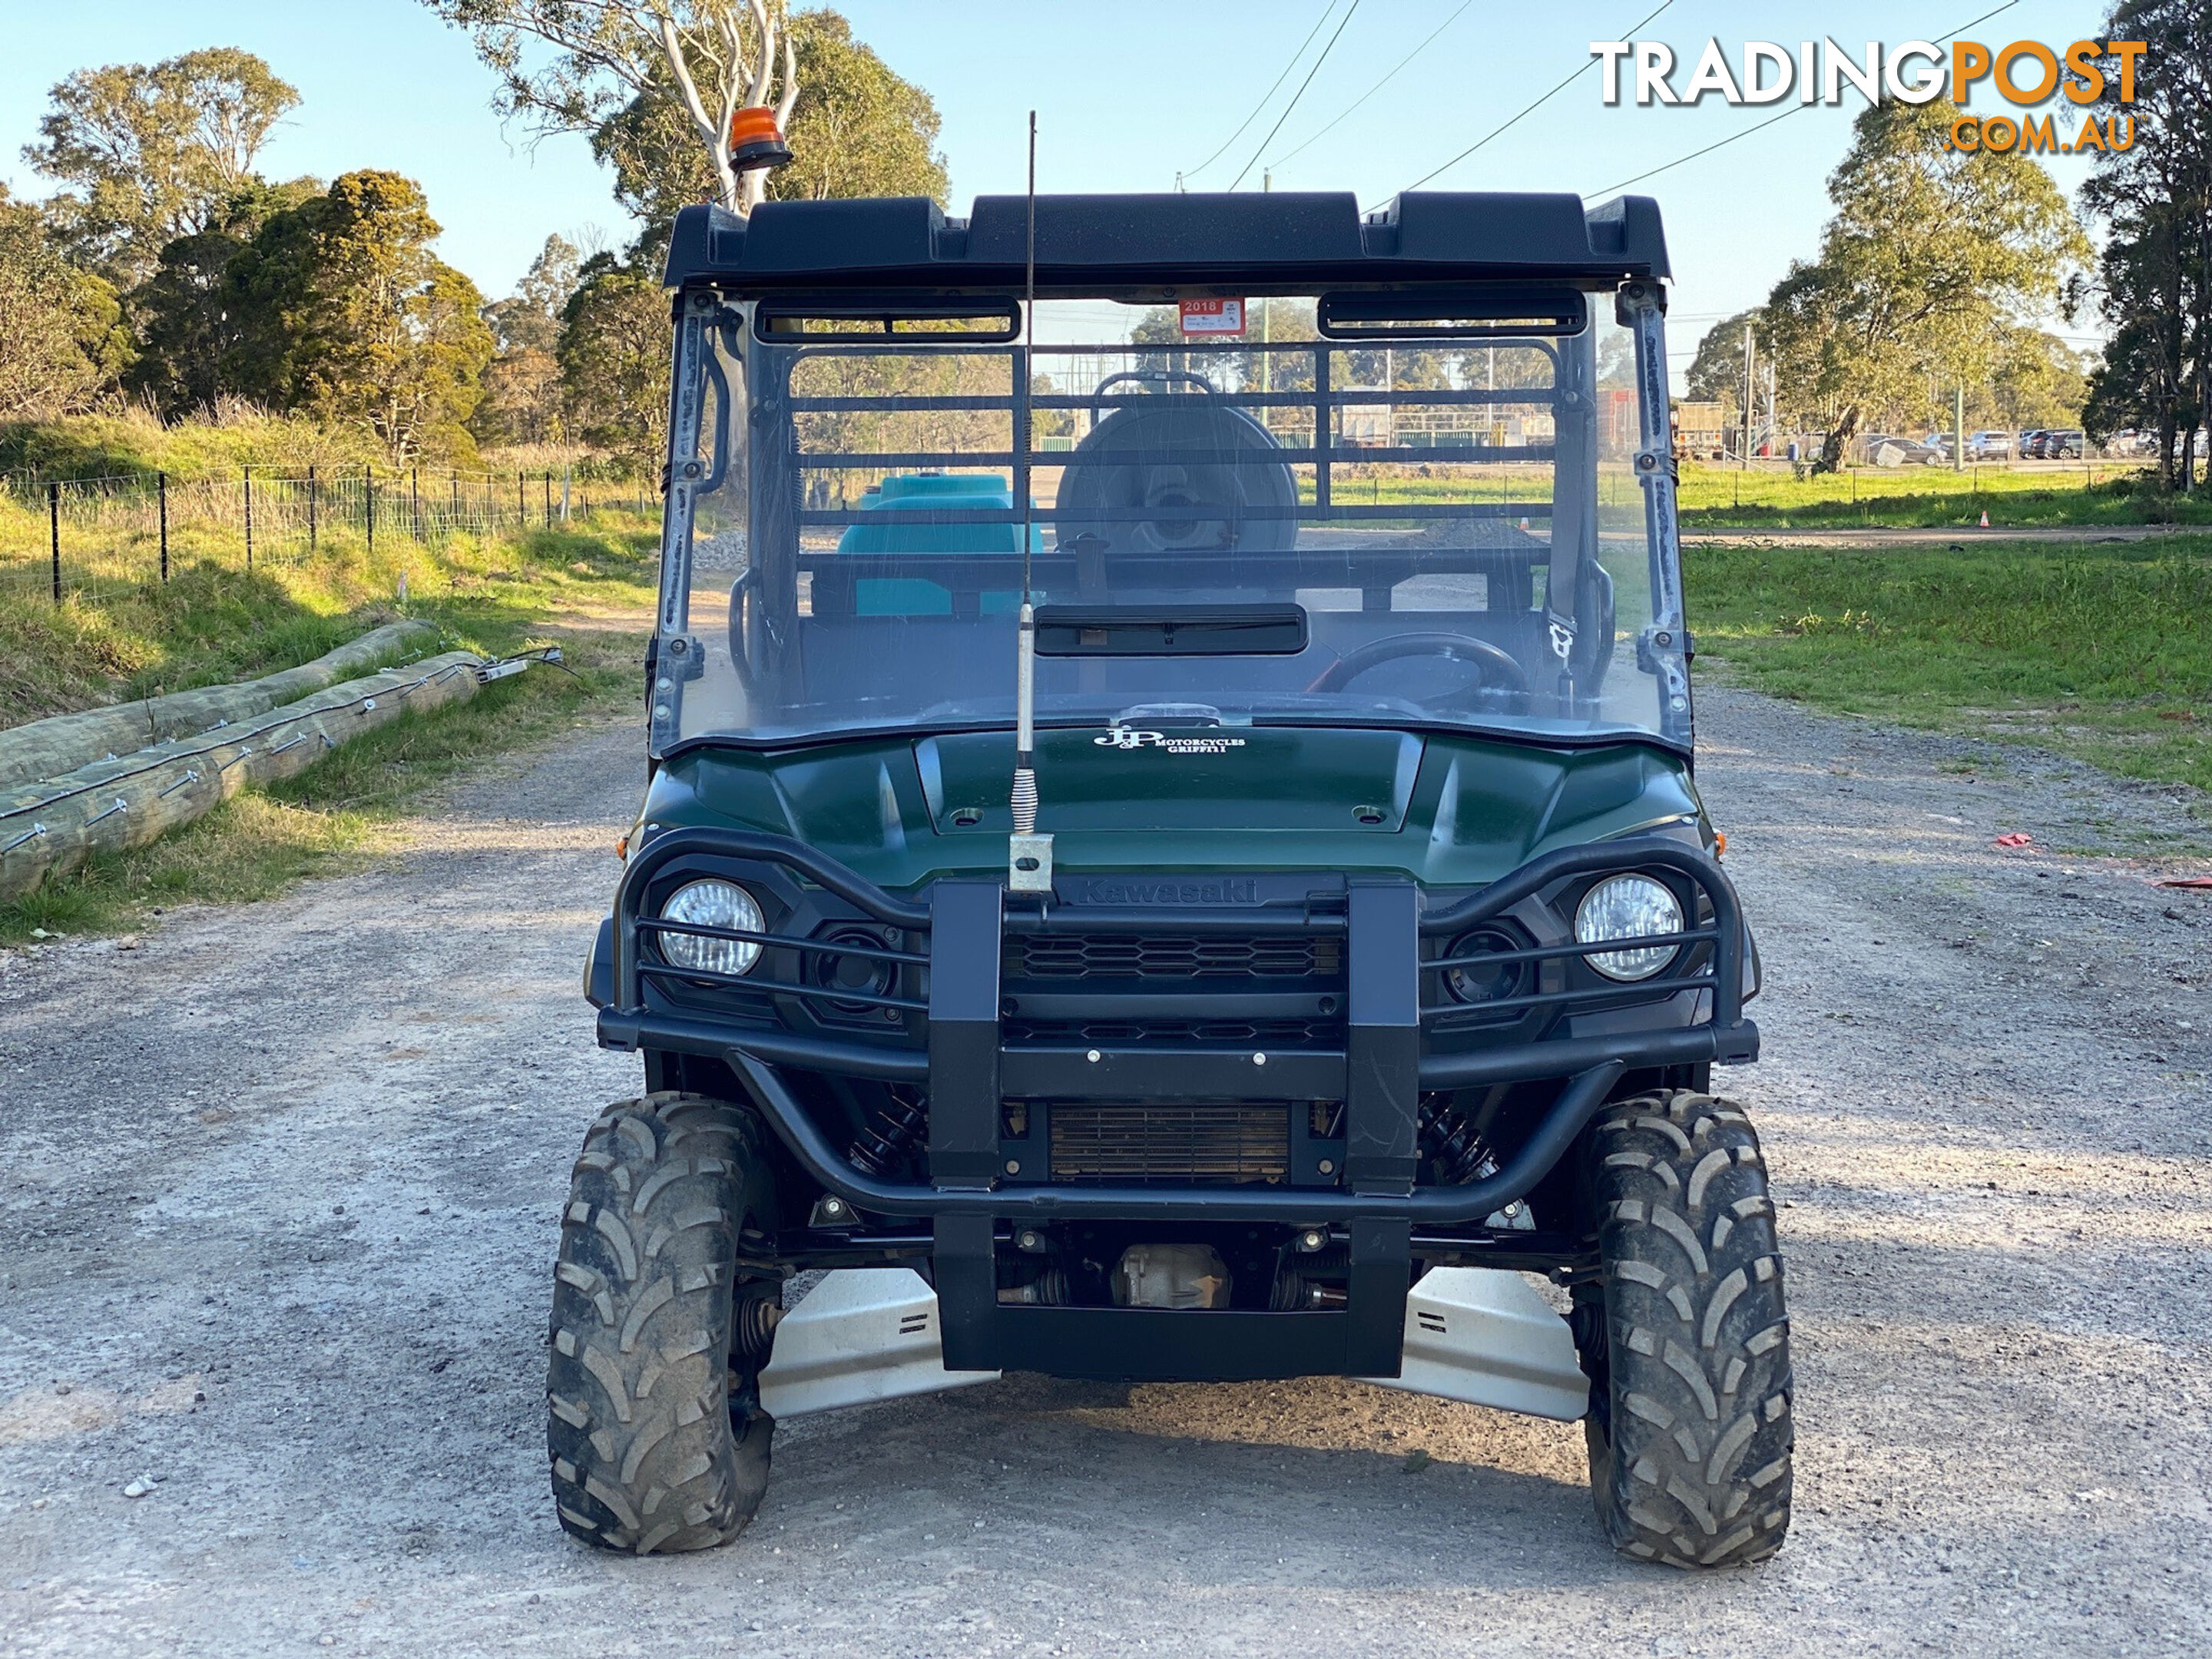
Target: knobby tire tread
(657,1442)
(1690,1443)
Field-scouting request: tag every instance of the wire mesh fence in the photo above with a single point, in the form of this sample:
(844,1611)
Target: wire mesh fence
(95,538)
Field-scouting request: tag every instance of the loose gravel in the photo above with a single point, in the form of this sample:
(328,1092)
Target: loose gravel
(281,1187)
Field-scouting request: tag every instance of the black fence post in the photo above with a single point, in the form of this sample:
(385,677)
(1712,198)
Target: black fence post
(314,530)
(453,523)
(368,502)
(548,501)
(161,495)
(521,505)
(54,535)
(249,521)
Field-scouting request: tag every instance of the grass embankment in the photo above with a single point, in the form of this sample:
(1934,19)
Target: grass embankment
(2101,653)
(591,592)
(1933,497)
(1772,497)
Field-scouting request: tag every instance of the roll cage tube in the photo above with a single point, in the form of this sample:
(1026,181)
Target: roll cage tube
(676,656)
(1641,308)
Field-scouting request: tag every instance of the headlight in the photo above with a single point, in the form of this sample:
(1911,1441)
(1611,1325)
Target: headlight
(1626,908)
(712,904)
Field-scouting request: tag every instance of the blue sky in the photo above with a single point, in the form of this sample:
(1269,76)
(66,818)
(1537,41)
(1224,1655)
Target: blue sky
(1127,95)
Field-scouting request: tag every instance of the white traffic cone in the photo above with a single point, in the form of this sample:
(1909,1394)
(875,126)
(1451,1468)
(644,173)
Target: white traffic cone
(1986,518)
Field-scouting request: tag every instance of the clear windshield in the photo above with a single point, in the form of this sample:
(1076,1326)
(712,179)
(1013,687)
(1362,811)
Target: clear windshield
(1455,524)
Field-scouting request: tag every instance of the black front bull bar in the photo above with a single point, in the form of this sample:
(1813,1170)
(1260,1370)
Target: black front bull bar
(1379,1074)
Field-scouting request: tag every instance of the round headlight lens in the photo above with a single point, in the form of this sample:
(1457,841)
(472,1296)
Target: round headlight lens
(1628,907)
(712,904)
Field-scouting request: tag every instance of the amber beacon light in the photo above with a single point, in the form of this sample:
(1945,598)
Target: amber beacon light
(756,141)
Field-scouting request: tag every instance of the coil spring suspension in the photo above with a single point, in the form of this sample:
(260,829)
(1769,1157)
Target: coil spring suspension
(882,1145)
(1451,1140)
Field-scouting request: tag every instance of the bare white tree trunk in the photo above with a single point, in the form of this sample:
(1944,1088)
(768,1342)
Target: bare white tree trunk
(745,74)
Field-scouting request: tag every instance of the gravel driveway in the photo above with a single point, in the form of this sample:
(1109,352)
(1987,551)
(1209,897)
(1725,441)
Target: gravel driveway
(281,1187)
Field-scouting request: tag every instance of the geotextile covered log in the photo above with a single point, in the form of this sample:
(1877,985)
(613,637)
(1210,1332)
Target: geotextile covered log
(128,800)
(50,747)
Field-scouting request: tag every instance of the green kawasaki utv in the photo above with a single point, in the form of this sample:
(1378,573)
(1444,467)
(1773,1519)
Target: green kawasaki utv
(1171,851)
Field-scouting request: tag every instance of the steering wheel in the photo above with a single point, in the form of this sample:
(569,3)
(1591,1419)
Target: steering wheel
(1494,667)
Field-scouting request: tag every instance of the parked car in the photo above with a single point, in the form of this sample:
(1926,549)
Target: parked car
(1944,443)
(2031,442)
(1882,449)
(1990,447)
(2062,444)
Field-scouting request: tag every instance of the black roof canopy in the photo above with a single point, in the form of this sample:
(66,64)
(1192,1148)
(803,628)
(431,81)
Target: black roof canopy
(1249,241)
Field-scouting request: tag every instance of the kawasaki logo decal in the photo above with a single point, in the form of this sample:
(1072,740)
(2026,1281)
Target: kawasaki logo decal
(1233,889)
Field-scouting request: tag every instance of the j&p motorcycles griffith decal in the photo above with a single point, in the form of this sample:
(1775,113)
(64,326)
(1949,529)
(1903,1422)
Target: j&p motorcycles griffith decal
(1131,736)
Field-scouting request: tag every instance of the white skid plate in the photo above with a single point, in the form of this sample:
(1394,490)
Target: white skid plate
(862,1333)
(1485,1336)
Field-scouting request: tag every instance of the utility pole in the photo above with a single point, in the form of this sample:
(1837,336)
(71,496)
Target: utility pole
(1390,397)
(1744,460)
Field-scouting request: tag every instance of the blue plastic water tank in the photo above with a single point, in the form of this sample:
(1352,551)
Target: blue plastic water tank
(905,494)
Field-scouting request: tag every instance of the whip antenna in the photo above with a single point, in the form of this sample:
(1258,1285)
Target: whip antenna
(1029,856)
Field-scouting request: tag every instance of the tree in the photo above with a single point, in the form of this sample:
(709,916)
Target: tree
(149,154)
(530,318)
(1715,373)
(861,131)
(716,57)
(61,336)
(1932,254)
(2039,380)
(522,388)
(2154,280)
(346,313)
(614,359)
(189,313)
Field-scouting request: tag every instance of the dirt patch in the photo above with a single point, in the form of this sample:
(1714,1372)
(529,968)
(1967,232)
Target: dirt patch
(306,1159)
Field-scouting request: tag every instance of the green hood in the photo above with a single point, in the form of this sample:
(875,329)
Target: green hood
(1449,811)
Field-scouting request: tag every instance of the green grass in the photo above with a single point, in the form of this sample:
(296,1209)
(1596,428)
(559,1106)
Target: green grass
(1930,497)
(1761,497)
(213,622)
(590,592)
(2103,652)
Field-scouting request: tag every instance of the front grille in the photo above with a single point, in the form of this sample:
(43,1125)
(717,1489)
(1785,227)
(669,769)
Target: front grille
(1164,956)
(1176,1033)
(1235,1141)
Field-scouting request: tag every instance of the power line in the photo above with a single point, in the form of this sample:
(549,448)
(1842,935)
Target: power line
(1798,109)
(1528,109)
(1299,93)
(1270,92)
(1314,137)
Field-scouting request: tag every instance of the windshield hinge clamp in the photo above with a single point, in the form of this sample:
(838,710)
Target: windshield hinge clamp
(1654,644)
(680,657)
